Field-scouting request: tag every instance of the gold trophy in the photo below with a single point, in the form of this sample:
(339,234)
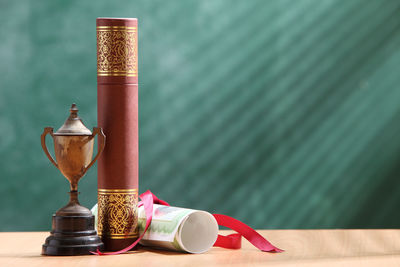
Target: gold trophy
(73,225)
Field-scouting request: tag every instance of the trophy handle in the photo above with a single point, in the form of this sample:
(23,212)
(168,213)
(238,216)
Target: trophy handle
(47,130)
(101,140)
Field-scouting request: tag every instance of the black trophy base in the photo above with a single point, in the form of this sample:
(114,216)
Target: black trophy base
(72,235)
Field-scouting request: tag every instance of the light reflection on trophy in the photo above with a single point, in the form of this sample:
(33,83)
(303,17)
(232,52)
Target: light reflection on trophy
(73,225)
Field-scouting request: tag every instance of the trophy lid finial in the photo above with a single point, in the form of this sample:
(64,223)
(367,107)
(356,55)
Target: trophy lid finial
(73,125)
(73,108)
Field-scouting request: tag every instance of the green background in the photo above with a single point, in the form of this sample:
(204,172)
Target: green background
(283,114)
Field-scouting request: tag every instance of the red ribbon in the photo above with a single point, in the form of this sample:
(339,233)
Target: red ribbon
(232,241)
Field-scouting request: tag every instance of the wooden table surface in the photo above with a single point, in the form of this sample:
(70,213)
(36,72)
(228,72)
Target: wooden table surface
(303,248)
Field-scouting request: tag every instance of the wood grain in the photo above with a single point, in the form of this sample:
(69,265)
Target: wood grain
(302,248)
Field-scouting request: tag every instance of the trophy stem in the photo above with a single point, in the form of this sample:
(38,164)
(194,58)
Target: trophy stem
(73,208)
(73,197)
(73,186)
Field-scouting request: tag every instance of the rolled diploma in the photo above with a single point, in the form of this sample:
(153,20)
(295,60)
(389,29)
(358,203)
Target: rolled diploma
(179,229)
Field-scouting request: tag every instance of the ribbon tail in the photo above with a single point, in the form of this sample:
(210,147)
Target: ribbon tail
(231,241)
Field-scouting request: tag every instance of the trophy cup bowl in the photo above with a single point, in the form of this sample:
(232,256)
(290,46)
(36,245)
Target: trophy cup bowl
(73,156)
(73,225)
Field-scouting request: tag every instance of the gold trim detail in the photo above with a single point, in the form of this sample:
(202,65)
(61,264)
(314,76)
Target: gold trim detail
(117,213)
(119,237)
(118,190)
(117,27)
(117,51)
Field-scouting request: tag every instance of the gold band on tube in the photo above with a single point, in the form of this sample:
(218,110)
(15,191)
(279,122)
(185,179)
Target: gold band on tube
(117,213)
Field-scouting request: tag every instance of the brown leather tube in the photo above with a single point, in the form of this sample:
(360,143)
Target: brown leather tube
(117,112)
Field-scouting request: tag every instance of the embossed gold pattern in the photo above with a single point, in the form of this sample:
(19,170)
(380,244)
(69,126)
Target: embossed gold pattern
(116,51)
(117,213)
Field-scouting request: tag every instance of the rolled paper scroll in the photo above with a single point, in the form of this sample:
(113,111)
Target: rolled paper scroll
(117,112)
(178,229)
(193,231)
